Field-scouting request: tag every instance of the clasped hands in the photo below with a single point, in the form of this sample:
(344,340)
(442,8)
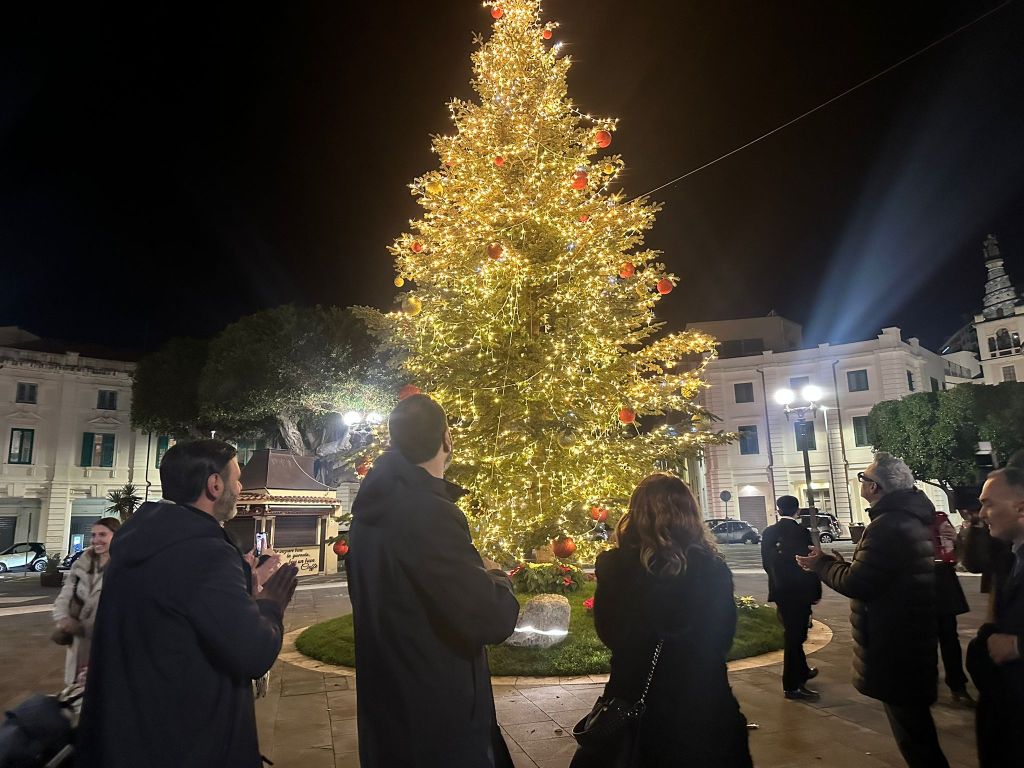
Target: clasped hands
(814,554)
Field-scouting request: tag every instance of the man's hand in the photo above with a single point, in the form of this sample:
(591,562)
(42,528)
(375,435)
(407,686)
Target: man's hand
(69,625)
(280,587)
(490,565)
(838,555)
(266,569)
(808,561)
(1003,648)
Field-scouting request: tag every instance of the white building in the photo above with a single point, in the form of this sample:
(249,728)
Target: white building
(1000,325)
(765,462)
(67,438)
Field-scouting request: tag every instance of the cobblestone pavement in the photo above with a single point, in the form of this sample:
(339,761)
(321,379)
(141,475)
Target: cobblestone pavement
(308,718)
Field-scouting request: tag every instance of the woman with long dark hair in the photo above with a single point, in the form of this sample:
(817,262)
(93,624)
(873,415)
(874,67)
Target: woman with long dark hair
(666,581)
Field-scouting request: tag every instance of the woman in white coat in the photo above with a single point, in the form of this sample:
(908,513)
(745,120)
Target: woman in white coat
(75,608)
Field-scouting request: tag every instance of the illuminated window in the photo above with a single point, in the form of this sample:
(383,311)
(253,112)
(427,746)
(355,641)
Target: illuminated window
(748,440)
(97,450)
(20,450)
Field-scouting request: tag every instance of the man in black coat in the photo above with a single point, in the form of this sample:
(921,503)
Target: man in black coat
(178,637)
(424,605)
(994,657)
(891,583)
(793,590)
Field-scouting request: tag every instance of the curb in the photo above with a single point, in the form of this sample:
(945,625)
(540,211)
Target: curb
(818,637)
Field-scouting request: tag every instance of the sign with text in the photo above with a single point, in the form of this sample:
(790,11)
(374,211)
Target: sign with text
(306,559)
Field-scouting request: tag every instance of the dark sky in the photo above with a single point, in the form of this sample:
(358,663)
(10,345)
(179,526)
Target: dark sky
(168,167)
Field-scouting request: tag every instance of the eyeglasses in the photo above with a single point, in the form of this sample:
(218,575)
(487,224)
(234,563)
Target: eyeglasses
(865,479)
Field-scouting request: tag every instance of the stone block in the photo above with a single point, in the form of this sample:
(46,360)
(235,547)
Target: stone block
(543,622)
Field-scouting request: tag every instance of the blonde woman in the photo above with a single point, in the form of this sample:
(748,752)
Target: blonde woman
(75,608)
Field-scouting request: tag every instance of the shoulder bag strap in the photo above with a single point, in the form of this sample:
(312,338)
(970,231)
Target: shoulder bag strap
(650,675)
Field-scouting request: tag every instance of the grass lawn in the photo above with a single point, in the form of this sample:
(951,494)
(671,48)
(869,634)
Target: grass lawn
(757,631)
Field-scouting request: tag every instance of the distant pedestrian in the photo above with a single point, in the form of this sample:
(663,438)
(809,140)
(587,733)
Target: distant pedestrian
(179,637)
(891,583)
(74,611)
(949,603)
(424,605)
(793,590)
(666,581)
(994,657)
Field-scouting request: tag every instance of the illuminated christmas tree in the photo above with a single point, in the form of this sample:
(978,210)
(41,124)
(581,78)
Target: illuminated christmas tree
(528,305)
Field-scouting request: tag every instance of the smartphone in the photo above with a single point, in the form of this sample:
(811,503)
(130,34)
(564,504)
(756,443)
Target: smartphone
(261,543)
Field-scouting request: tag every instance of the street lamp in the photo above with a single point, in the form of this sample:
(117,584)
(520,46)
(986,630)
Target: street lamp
(811,395)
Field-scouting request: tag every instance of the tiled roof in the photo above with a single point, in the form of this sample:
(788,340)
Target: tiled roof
(253,497)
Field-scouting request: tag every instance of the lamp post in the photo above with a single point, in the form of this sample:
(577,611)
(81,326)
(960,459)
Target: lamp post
(811,395)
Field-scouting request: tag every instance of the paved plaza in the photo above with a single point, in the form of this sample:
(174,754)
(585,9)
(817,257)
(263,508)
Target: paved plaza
(308,718)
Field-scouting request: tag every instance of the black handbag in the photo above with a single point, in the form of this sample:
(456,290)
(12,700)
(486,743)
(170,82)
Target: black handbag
(75,605)
(613,721)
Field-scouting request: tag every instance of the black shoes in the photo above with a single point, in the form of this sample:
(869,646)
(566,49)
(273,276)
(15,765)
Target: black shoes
(803,693)
(964,699)
(812,672)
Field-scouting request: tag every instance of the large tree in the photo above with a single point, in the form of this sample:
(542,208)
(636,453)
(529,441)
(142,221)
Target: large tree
(937,433)
(285,375)
(529,309)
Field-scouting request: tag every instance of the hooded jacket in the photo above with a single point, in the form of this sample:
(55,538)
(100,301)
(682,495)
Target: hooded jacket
(891,586)
(177,641)
(423,608)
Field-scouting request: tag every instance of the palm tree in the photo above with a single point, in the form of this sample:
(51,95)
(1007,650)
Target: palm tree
(123,501)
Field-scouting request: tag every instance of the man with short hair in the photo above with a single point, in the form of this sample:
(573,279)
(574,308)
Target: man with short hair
(424,605)
(179,637)
(891,586)
(793,590)
(994,657)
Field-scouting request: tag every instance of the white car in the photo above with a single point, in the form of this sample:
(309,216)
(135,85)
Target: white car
(24,556)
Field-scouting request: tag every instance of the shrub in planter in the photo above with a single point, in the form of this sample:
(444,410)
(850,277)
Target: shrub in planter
(555,577)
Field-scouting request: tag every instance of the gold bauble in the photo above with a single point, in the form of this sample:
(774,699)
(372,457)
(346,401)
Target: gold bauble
(399,282)
(412,305)
(608,168)
(435,188)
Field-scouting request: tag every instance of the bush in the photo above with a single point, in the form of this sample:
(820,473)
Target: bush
(540,578)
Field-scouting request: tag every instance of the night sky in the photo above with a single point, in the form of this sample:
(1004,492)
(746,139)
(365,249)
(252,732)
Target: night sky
(168,167)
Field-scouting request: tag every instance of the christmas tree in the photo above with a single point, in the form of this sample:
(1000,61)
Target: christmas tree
(528,305)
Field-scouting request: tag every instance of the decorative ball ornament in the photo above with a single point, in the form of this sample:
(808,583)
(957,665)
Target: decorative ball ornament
(499,161)
(362,469)
(546,34)
(497,13)
(584,218)
(603,139)
(627,415)
(340,547)
(608,169)
(627,269)
(412,305)
(665,286)
(416,247)
(435,188)
(399,282)
(408,390)
(600,514)
(580,180)
(563,547)
(495,251)
(567,438)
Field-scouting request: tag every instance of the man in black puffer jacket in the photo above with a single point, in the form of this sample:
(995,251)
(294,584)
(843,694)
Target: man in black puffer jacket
(891,586)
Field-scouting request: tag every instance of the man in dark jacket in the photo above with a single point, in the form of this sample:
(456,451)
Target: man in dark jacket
(178,637)
(891,583)
(424,605)
(793,590)
(994,657)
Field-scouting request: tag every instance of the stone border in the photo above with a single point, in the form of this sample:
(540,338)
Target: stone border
(818,637)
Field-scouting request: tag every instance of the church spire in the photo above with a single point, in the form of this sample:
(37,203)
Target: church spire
(1000,295)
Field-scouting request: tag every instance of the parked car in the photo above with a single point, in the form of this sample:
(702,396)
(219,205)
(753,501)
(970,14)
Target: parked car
(70,560)
(828,526)
(24,556)
(736,532)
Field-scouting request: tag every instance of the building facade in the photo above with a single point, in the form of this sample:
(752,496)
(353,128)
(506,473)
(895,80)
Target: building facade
(767,460)
(999,327)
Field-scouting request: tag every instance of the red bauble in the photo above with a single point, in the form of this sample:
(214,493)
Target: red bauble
(499,161)
(563,547)
(408,391)
(599,514)
(417,246)
(340,547)
(497,13)
(546,34)
(362,469)
(627,415)
(494,250)
(665,286)
(603,138)
(584,218)
(626,269)
(579,180)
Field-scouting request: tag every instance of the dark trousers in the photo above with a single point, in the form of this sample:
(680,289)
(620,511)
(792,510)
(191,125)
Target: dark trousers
(914,729)
(794,616)
(952,654)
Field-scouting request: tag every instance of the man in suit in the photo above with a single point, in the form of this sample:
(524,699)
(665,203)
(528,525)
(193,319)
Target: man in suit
(994,657)
(793,591)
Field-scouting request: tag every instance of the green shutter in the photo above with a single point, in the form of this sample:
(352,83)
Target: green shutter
(88,439)
(162,443)
(107,451)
